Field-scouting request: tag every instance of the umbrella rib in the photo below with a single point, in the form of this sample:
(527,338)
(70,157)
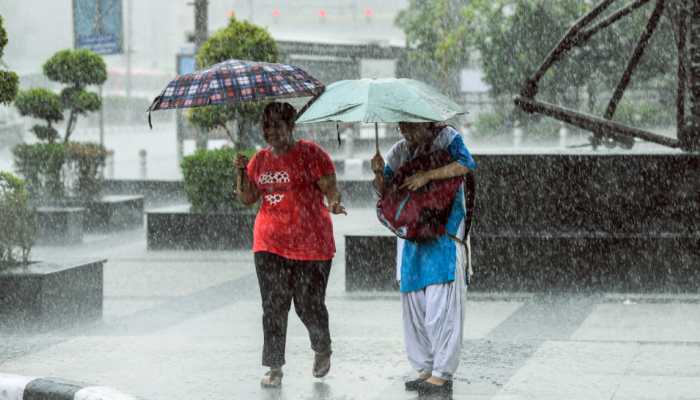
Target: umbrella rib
(328,117)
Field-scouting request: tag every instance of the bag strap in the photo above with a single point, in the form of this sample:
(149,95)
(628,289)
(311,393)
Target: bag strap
(469,200)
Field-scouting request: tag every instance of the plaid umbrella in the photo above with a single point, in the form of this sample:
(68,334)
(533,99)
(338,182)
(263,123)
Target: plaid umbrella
(235,81)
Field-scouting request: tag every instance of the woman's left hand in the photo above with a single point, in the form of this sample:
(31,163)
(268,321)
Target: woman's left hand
(416,181)
(336,207)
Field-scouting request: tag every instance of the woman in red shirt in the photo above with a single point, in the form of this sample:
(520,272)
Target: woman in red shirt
(293,235)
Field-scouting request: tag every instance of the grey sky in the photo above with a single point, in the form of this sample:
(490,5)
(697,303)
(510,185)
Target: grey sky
(39,28)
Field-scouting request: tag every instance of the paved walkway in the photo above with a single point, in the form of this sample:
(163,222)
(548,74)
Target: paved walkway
(186,325)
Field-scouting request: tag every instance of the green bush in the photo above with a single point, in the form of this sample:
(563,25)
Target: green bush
(85,162)
(77,69)
(41,166)
(17,219)
(43,104)
(9,84)
(210,179)
(9,81)
(58,172)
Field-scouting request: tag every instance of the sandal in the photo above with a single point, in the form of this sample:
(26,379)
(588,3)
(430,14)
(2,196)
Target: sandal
(412,386)
(322,364)
(272,378)
(426,388)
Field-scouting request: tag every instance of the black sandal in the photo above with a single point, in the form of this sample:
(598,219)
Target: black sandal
(426,388)
(412,386)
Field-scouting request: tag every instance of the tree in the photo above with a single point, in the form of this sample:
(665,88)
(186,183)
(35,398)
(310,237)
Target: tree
(18,221)
(238,40)
(77,69)
(512,38)
(43,104)
(9,81)
(435,42)
(55,170)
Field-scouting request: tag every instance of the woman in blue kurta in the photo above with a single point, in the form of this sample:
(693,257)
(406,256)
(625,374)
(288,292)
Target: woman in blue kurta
(433,275)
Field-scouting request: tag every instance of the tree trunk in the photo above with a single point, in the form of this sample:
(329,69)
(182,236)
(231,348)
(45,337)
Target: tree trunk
(245,134)
(201,139)
(69,126)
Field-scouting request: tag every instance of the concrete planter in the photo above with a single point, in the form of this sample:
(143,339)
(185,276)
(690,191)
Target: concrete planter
(44,295)
(60,226)
(620,222)
(531,262)
(114,212)
(180,228)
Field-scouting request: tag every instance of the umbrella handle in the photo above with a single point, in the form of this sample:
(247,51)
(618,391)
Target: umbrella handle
(239,178)
(376,136)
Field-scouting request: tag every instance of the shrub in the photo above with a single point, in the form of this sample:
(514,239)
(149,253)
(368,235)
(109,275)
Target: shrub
(210,179)
(56,172)
(43,104)
(17,219)
(41,166)
(85,163)
(9,81)
(77,69)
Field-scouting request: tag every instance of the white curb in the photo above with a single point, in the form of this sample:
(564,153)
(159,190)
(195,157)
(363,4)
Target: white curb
(17,387)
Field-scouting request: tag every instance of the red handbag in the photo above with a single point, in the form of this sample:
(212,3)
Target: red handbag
(419,215)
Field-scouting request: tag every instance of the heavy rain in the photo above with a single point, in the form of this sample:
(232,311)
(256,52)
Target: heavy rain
(460,199)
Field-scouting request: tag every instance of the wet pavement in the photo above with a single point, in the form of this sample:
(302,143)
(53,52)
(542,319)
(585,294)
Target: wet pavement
(187,325)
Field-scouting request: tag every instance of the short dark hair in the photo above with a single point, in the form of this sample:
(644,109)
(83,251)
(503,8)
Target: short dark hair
(284,111)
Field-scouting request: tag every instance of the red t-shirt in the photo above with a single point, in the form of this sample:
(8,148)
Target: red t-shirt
(293,221)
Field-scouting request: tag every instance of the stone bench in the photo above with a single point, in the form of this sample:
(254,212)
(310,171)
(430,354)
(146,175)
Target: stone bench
(60,225)
(45,295)
(178,227)
(568,221)
(531,261)
(112,212)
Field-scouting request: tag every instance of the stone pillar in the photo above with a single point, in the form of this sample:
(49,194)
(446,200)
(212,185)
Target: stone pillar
(201,31)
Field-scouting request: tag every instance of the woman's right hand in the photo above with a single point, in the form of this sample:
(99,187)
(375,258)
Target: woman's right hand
(240,162)
(377,164)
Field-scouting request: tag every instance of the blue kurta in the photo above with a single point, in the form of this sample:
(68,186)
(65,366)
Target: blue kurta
(429,263)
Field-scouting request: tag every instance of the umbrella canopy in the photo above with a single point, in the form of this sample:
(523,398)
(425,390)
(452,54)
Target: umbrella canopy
(388,100)
(235,81)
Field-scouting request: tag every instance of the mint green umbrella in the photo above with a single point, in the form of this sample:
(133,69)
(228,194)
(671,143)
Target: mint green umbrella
(389,100)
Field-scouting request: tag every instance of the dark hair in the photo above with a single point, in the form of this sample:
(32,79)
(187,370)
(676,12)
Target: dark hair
(283,111)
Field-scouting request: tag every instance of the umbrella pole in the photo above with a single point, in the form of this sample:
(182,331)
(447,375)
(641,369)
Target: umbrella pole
(239,182)
(376,136)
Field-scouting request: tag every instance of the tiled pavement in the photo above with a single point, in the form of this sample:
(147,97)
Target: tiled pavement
(186,325)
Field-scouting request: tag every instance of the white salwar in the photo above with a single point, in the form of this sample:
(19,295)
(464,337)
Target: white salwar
(433,322)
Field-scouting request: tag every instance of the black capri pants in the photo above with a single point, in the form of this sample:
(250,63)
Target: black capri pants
(282,281)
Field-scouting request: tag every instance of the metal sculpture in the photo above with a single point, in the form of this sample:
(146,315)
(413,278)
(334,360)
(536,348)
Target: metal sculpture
(686,14)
